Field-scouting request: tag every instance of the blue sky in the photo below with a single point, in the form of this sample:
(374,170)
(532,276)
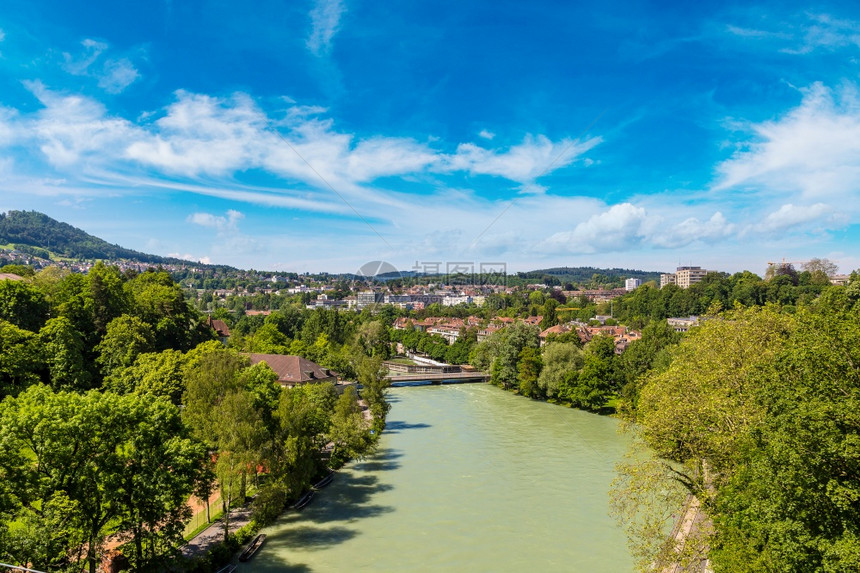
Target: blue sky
(319,135)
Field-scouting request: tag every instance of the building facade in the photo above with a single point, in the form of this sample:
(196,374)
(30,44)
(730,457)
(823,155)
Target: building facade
(684,276)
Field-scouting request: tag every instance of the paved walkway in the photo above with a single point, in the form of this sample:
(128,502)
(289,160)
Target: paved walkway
(690,525)
(215,532)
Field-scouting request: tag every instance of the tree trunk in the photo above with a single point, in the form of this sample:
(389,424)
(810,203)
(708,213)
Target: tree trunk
(225,504)
(138,546)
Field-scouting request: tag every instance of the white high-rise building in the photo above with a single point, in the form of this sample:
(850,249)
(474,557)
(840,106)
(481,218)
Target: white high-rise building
(632,284)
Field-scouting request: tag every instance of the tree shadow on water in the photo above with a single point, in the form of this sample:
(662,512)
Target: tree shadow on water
(282,566)
(309,538)
(396,426)
(381,461)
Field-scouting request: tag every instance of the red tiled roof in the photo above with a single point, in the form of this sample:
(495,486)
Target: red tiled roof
(557,329)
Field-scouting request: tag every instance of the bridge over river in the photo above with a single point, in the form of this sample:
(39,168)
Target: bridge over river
(422,379)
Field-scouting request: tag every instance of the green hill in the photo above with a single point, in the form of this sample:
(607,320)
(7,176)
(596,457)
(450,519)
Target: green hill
(39,235)
(581,275)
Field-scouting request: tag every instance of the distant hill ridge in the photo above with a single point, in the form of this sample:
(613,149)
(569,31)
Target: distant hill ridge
(584,274)
(41,233)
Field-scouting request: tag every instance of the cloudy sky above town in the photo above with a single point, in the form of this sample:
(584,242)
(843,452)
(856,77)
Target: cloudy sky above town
(319,135)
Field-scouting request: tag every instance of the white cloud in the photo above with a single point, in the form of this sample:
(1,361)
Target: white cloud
(803,35)
(113,75)
(622,226)
(79,65)
(118,75)
(70,128)
(204,135)
(486,134)
(812,151)
(226,225)
(625,227)
(190,257)
(789,216)
(692,229)
(756,33)
(2,35)
(325,22)
(829,33)
(229,240)
(523,163)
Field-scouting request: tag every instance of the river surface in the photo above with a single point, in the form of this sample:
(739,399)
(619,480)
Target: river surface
(467,478)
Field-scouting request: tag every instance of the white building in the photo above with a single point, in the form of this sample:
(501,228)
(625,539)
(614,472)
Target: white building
(632,284)
(684,276)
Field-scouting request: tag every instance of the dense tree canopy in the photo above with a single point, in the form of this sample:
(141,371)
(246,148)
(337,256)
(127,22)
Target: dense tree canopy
(756,416)
(95,370)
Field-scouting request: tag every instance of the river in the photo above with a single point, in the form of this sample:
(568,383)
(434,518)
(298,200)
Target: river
(467,478)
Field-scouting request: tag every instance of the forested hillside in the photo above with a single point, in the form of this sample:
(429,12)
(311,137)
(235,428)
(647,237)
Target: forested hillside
(32,229)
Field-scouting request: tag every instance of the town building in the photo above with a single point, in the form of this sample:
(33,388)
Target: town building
(683,324)
(222,331)
(368,298)
(684,277)
(667,279)
(632,284)
(293,370)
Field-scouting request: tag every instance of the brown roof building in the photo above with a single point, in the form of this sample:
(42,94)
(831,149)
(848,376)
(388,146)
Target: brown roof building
(220,327)
(292,370)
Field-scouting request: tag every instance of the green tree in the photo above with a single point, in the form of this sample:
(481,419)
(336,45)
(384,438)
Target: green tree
(23,305)
(642,355)
(126,337)
(107,298)
(349,431)
(159,301)
(21,359)
(64,353)
(595,382)
(696,416)
(268,340)
(372,375)
(221,412)
(95,462)
(561,360)
(161,468)
(152,373)
(529,366)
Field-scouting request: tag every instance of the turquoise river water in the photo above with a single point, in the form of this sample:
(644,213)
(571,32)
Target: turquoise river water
(467,478)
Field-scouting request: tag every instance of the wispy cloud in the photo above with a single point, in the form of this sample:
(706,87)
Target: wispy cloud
(228,239)
(325,22)
(113,74)
(523,163)
(826,32)
(803,34)
(812,151)
(789,216)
